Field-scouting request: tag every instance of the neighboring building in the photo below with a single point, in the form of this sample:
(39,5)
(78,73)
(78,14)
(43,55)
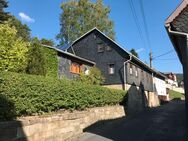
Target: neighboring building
(70,65)
(177,29)
(120,68)
(171,80)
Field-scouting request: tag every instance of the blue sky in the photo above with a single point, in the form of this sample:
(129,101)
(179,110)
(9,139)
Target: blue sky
(42,16)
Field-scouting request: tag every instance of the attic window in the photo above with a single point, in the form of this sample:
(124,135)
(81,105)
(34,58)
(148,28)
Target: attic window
(100,48)
(108,48)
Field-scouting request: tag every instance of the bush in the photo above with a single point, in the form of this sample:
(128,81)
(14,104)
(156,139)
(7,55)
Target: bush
(32,94)
(94,77)
(36,62)
(51,64)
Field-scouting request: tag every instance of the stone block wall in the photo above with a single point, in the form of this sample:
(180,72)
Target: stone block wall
(56,127)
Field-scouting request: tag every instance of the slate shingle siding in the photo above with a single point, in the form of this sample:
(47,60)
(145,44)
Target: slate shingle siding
(87,48)
(180,24)
(64,64)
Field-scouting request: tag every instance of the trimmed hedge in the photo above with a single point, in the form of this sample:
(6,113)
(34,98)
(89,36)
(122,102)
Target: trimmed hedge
(29,95)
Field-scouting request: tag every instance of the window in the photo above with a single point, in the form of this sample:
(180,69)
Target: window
(75,67)
(142,75)
(136,71)
(131,69)
(111,69)
(108,48)
(100,48)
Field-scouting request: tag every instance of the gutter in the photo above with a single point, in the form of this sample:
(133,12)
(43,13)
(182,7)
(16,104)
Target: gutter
(125,71)
(171,33)
(176,32)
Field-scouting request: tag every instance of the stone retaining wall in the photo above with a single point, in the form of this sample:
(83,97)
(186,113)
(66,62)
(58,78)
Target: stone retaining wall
(56,127)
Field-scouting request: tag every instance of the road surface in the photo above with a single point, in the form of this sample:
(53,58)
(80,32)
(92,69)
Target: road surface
(164,123)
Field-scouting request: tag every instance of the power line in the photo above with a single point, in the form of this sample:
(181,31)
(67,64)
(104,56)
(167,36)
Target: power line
(168,59)
(135,17)
(163,54)
(145,23)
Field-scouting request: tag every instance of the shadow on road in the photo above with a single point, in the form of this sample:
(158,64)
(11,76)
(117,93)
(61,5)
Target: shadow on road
(165,123)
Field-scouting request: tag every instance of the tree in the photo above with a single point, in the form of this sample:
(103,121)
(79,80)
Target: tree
(3,15)
(36,59)
(47,42)
(80,16)
(23,30)
(13,50)
(133,51)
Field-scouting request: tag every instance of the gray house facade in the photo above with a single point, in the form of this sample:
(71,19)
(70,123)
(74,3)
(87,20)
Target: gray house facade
(177,29)
(118,66)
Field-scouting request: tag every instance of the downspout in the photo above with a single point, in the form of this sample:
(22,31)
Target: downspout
(184,71)
(125,71)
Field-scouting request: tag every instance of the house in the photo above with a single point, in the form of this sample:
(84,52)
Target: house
(121,69)
(171,80)
(177,29)
(70,65)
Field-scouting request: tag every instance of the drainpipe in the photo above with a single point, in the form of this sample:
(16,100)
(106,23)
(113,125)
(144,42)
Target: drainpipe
(185,64)
(125,71)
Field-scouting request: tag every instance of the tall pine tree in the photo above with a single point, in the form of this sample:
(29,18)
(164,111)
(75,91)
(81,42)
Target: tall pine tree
(80,16)
(3,15)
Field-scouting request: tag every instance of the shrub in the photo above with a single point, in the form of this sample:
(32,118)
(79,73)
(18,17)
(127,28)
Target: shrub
(30,94)
(51,64)
(36,62)
(94,77)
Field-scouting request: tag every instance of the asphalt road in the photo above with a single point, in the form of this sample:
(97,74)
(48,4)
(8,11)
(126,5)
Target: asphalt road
(164,123)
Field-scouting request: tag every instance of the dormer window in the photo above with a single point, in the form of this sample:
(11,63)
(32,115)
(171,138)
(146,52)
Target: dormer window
(100,48)
(108,48)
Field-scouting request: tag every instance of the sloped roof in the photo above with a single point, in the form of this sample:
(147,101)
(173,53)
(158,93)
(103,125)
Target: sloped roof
(177,12)
(178,21)
(134,57)
(70,54)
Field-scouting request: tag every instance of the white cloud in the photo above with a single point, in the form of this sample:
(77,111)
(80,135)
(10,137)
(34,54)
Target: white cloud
(140,50)
(26,18)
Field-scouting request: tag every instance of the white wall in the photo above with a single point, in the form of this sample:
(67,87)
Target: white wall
(160,86)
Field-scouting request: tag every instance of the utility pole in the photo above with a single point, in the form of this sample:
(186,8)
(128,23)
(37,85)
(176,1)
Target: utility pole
(150,58)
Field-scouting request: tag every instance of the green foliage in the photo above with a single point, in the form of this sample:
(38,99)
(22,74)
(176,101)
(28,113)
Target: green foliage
(47,42)
(36,62)
(13,50)
(32,94)
(174,94)
(133,51)
(94,77)
(3,15)
(23,30)
(51,65)
(78,17)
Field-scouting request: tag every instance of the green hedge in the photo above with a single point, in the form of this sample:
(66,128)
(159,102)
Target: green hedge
(29,95)
(51,64)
